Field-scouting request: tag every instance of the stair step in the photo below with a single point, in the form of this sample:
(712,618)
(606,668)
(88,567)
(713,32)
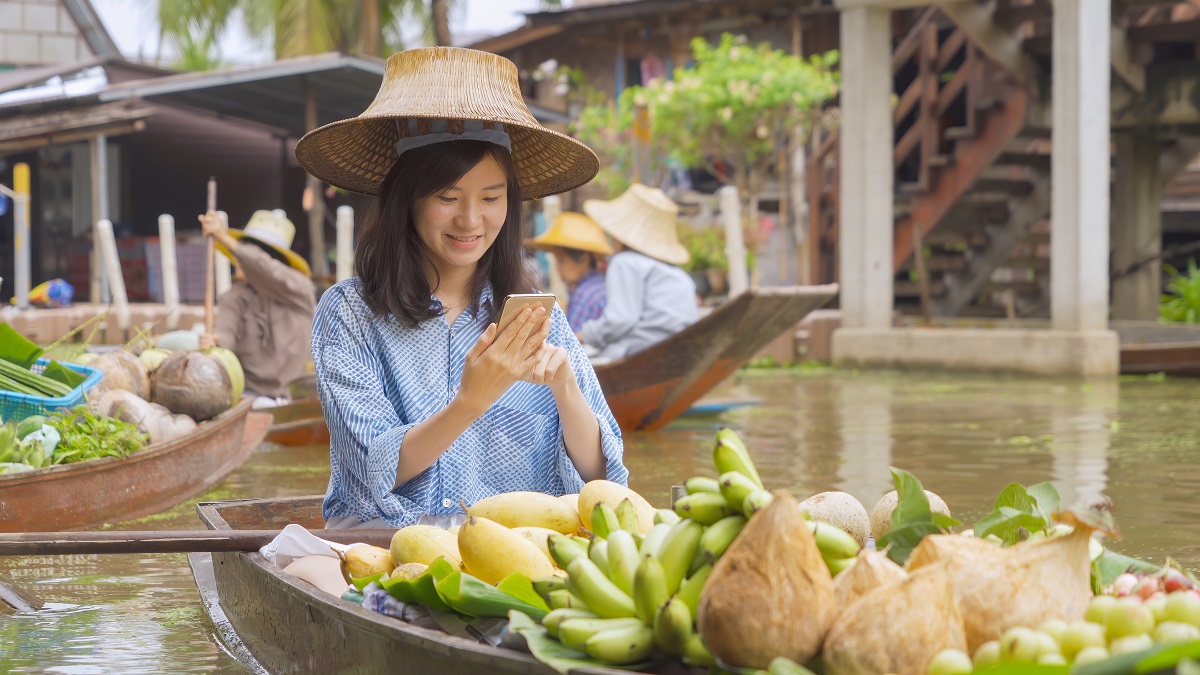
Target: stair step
(958,133)
(940,160)
(1028,159)
(1018,187)
(944,237)
(911,289)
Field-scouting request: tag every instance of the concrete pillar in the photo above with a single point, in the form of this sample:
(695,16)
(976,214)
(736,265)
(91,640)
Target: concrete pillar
(865,166)
(1137,226)
(1079,179)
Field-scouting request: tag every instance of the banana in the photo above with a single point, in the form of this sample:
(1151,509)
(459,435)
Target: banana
(734,488)
(621,646)
(665,516)
(564,549)
(705,508)
(575,633)
(627,517)
(696,654)
(556,616)
(544,585)
(654,538)
(689,590)
(781,665)
(730,454)
(755,502)
(677,551)
(834,542)
(598,553)
(701,484)
(604,521)
(672,626)
(718,536)
(564,599)
(600,595)
(623,559)
(837,566)
(649,589)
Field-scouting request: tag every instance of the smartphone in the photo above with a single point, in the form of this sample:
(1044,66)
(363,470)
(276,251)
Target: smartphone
(513,304)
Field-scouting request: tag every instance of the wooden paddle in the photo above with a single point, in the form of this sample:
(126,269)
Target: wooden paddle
(209,261)
(167,541)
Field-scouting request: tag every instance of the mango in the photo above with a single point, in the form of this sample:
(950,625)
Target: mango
(613,494)
(539,536)
(491,551)
(364,561)
(528,509)
(424,544)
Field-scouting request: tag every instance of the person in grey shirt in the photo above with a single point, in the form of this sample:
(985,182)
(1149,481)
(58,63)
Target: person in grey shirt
(649,297)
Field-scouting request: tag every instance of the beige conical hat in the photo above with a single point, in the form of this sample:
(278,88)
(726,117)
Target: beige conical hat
(438,84)
(643,218)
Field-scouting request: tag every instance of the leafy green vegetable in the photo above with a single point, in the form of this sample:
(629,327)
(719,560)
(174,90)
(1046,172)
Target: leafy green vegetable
(912,520)
(1111,565)
(1018,511)
(85,436)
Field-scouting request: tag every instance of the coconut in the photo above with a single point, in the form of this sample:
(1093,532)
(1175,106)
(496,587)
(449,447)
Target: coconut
(770,594)
(83,358)
(871,570)
(998,588)
(153,357)
(897,628)
(237,377)
(840,510)
(122,370)
(193,384)
(881,515)
(151,419)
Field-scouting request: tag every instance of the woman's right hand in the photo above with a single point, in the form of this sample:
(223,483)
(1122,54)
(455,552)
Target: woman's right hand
(498,361)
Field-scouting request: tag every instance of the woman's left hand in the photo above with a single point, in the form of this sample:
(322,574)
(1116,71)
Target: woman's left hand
(552,369)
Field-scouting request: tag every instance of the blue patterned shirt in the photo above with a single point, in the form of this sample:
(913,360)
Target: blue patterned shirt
(587,301)
(378,378)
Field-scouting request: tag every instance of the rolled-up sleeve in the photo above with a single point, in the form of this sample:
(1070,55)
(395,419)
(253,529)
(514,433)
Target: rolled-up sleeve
(365,429)
(611,443)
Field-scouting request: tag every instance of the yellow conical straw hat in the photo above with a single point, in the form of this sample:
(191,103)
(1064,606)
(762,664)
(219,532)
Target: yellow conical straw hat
(643,218)
(445,83)
(572,230)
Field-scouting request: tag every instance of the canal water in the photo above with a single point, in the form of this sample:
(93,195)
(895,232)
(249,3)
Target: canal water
(1135,440)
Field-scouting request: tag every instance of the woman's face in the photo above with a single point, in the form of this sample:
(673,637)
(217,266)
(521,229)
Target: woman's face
(458,225)
(570,269)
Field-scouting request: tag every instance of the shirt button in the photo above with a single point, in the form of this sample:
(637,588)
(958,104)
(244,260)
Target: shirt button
(447,503)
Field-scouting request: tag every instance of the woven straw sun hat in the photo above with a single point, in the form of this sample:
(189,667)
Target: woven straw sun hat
(274,234)
(643,218)
(432,92)
(575,231)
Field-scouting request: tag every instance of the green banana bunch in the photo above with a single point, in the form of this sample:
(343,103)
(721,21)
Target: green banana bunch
(654,539)
(598,594)
(564,549)
(756,501)
(598,553)
(705,508)
(621,646)
(627,518)
(837,566)
(677,551)
(701,484)
(564,599)
(604,521)
(556,616)
(672,626)
(666,516)
(834,542)
(545,585)
(717,537)
(689,590)
(735,487)
(781,665)
(649,589)
(623,559)
(575,633)
(696,654)
(730,454)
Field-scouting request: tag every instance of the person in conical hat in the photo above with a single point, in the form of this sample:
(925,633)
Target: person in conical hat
(579,247)
(266,315)
(649,297)
(429,404)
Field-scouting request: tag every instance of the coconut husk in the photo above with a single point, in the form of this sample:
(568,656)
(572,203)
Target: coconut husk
(871,570)
(122,370)
(193,384)
(770,594)
(999,588)
(897,628)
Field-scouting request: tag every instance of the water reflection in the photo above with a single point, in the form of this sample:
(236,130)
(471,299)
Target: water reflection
(865,424)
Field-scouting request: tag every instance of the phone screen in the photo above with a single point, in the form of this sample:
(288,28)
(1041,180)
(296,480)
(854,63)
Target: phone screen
(513,304)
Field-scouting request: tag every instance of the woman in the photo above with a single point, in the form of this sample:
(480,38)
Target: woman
(649,297)
(578,246)
(429,406)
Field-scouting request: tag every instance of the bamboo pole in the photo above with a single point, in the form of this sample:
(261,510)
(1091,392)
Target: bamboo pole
(21,244)
(116,282)
(170,269)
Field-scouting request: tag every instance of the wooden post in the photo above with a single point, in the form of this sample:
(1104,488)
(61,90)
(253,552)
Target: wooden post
(116,282)
(98,147)
(922,275)
(316,212)
(345,242)
(222,272)
(209,254)
(735,249)
(170,269)
(21,210)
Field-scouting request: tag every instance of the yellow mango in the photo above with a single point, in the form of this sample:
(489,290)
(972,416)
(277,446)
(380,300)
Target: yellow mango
(363,561)
(608,492)
(539,536)
(424,544)
(491,551)
(528,509)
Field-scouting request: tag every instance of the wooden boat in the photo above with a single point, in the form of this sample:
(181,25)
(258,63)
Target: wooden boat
(648,389)
(87,494)
(286,625)
(1148,347)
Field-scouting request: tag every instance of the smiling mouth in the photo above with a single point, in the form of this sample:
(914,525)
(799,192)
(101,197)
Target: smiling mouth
(464,239)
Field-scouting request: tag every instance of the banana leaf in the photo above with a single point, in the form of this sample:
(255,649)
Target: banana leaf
(521,587)
(362,582)
(16,348)
(422,589)
(468,595)
(60,373)
(545,648)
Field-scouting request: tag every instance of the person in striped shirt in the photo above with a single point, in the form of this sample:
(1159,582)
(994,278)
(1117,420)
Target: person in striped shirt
(579,248)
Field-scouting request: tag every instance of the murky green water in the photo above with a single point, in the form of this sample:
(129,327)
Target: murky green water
(1137,441)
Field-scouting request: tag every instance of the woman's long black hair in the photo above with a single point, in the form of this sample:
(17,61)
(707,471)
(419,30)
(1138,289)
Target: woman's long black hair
(390,259)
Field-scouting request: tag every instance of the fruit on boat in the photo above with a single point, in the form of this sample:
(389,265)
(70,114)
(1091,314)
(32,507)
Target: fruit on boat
(122,370)
(539,537)
(192,384)
(233,367)
(872,570)
(491,551)
(842,511)
(881,515)
(528,509)
(612,494)
(153,357)
(364,561)
(424,544)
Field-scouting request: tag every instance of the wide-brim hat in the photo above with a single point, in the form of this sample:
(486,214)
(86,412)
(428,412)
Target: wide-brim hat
(643,218)
(575,231)
(445,83)
(272,233)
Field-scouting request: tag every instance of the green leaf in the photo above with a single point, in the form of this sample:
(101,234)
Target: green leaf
(901,541)
(1169,656)
(16,348)
(1006,522)
(545,648)
(1014,496)
(1111,565)
(468,595)
(60,373)
(912,506)
(521,587)
(362,582)
(944,521)
(1045,495)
